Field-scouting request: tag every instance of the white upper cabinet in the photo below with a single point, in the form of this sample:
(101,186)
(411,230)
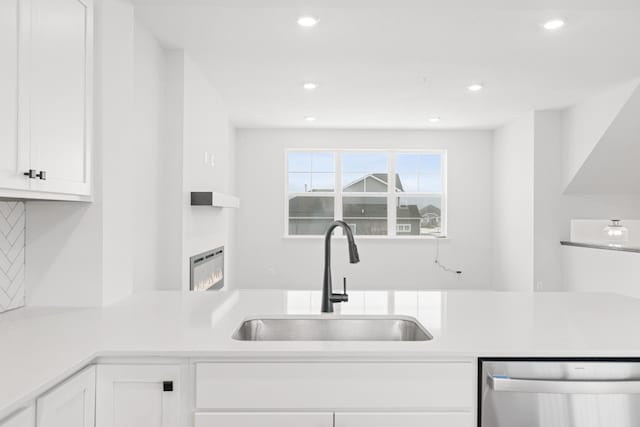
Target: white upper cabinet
(46,115)
(71,404)
(14,156)
(60,95)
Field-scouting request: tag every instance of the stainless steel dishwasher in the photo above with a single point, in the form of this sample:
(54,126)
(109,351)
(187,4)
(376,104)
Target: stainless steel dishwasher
(559,392)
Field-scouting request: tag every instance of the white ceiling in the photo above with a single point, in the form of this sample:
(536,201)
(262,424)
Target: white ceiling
(382,66)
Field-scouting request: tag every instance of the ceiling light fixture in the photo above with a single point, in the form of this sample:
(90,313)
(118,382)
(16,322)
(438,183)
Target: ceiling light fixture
(310,118)
(554,24)
(434,119)
(307,21)
(476,87)
(310,86)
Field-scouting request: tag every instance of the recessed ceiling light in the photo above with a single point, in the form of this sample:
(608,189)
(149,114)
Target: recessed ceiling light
(310,118)
(434,119)
(307,21)
(310,86)
(476,87)
(554,24)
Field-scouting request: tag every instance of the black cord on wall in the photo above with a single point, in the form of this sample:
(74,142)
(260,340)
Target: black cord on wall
(439,264)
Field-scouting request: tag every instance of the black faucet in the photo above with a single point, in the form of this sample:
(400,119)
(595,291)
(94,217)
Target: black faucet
(328,297)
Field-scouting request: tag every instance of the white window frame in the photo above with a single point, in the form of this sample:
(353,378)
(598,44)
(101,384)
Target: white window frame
(390,194)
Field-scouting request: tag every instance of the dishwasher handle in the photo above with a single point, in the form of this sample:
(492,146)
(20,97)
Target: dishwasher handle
(501,383)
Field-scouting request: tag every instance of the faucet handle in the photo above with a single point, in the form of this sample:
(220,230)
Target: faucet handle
(343,297)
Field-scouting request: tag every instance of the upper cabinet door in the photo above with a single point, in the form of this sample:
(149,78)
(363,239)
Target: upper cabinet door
(14,157)
(60,95)
(71,404)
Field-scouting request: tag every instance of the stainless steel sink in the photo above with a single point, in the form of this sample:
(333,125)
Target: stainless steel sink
(334,328)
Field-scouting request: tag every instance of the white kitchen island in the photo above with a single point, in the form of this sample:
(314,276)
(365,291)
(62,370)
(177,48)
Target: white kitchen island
(184,342)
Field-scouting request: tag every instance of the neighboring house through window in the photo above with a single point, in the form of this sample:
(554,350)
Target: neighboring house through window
(378,193)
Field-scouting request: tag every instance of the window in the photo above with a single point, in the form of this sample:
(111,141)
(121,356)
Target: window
(311,188)
(403,228)
(378,193)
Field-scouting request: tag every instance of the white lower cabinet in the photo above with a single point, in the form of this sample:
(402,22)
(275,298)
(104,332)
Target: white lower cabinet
(23,418)
(329,419)
(334,386)
(70,404)
(138,395)
(258,394)
(264,419)
(403,419)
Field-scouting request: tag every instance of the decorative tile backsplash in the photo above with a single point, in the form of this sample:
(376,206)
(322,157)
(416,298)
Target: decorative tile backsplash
(12,220)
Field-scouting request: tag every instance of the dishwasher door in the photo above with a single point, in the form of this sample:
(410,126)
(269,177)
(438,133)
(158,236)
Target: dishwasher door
(559,393)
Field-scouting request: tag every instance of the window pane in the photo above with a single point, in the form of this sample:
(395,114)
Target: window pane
(366,215)
(308,226)
(310,215)
(299,161)
(322,182)
(305,207)
(430,183)
(407,183)
(419,172)
(311,171)
(365,172)
(323,162)
(418,215)
(299,182)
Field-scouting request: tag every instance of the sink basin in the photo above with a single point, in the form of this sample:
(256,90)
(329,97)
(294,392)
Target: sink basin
(334,328)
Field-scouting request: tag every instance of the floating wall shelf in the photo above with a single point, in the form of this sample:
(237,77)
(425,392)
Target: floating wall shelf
(216,200)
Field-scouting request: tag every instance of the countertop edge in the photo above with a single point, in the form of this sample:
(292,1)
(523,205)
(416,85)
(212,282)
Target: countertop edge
(600,246)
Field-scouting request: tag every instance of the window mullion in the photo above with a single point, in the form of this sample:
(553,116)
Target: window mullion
(338,186)
(391,199)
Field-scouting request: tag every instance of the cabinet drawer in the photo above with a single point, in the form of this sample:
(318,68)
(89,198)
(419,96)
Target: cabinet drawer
(404,419)
(264,419)
(332,386)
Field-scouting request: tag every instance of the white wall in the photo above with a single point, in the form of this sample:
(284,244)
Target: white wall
(265,259)
(513,214)
(200,121)
(583,127)
(597,270)
(115,124)
(208,166)
(585,123)
(147,210)
(547,189)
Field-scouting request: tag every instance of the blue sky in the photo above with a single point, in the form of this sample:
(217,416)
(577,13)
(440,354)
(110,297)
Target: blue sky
(419,172)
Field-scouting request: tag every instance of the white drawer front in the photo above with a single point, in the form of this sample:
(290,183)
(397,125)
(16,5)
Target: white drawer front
(404,419)
(264,419)
(334,386)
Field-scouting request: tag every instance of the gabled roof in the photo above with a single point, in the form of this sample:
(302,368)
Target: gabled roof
(381,177)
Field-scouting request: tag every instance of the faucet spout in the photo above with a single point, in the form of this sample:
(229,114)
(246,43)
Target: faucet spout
(328,297)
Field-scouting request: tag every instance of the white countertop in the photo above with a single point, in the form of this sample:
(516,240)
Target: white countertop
(41,346)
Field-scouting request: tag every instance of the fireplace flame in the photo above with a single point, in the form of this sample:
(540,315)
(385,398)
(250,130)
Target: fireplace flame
(210,281)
